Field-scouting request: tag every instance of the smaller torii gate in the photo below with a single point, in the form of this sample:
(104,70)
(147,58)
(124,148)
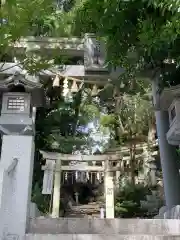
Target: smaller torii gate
(54,167)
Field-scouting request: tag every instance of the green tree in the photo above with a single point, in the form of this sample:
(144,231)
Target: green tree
(165,5)
(129,118)
(16,20)
(140,35)
(135,114)
(61,128)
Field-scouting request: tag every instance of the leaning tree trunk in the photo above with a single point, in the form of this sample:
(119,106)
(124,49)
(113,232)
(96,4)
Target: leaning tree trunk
(132,162)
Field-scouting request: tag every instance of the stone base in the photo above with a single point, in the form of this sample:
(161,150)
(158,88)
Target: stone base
(97,237)
(166,213)
(105,226)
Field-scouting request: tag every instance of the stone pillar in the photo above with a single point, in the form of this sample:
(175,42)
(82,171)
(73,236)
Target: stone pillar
(17,158)
(109,192)
(77,198)
(118,174)
(169,159)
(57,190)
(101,212)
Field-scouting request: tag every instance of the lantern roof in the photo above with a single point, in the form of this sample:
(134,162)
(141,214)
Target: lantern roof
(97,152)
(27,81)
(168,95)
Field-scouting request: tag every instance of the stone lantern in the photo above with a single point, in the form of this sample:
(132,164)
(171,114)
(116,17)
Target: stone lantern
(170,101)
(168,131)
(20,97)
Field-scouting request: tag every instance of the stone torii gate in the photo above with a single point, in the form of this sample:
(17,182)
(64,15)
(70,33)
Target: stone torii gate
(54,167)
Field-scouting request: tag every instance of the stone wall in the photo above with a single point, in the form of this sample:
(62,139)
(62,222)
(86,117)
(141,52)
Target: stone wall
(104,226)
(97,237)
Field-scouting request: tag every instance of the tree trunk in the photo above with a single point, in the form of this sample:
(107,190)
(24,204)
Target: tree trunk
(132,163)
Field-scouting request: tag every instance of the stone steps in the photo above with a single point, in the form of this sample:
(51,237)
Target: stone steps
(91,209)
(97,237)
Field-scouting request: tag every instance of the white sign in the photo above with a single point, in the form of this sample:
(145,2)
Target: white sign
(48,177)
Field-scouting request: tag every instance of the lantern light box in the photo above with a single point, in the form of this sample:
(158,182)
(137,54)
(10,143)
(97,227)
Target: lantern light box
(173,135)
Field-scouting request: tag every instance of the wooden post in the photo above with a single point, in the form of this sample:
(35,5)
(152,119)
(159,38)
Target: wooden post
(57,189)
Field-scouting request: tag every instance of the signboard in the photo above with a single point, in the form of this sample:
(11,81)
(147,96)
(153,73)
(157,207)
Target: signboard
(16,103)
(48,177)
(109,195)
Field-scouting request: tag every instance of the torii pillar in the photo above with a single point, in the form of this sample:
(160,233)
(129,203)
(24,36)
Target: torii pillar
(57,190)
(52,180)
